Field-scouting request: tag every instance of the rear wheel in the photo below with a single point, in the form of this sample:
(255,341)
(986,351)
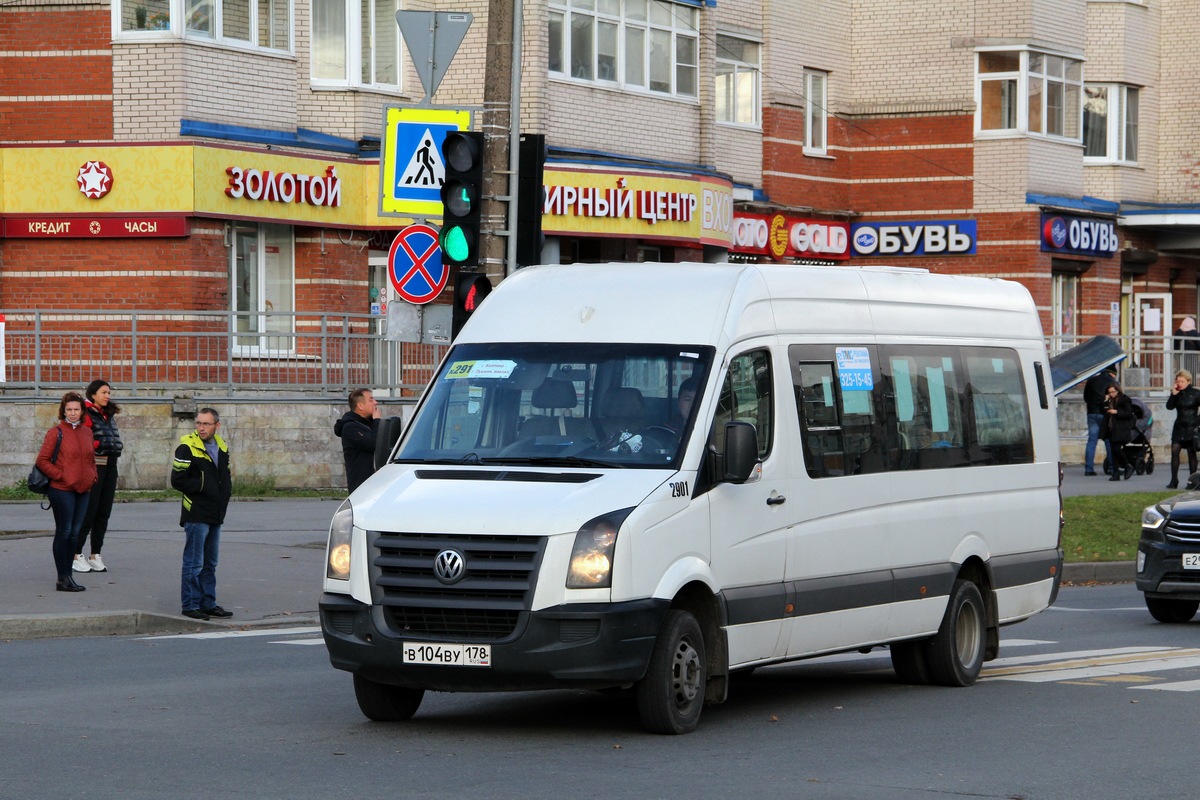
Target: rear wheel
(1172,611)
(910,663)
(956,652)
(671,696)
(385,703)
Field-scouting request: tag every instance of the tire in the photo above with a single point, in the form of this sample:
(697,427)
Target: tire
(384,703)
(1149,462)
(671,696)
(1172,611)
(1107,466)
(955,653)
(910,662)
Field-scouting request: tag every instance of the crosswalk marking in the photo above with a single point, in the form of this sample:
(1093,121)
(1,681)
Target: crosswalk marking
(1104,665)
(309,629)
(1178,686)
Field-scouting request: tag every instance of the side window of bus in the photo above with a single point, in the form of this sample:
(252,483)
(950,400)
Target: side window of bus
(927,408)
(837,425)
(1000,408)
(746,397)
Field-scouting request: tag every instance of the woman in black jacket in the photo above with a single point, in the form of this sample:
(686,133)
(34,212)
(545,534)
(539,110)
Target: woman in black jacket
(106,442)
(1185,399)
(1118,429)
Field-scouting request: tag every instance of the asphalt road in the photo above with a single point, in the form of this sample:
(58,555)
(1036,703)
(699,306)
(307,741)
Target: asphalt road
(1087,701)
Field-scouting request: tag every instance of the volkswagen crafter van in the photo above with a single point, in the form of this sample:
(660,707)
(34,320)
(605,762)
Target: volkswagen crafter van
(650,476)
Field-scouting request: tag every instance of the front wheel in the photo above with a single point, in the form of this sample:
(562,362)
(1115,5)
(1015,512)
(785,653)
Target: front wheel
(671,696)
(382,702)
(956,652)
(1172,611)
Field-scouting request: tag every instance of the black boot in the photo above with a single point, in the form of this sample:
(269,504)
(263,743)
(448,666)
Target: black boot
(1116,473)
(68,584)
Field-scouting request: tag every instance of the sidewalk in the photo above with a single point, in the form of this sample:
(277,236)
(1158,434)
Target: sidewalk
(269,573)
(272,557)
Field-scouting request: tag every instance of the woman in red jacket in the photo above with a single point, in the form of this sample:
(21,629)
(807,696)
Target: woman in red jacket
(71,472)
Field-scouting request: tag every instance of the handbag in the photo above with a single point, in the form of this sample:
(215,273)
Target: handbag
(38,482)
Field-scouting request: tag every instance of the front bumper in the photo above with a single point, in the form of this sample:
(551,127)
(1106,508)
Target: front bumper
(586,646)
(1162,573)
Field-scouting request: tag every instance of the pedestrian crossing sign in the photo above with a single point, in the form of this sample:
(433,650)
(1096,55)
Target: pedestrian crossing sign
(411,171)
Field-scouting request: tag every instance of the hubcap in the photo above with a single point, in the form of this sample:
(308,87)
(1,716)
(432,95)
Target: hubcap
(968,634)
(686,673)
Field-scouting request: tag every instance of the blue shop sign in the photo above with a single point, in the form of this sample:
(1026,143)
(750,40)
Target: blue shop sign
(1081,236)
(914,238)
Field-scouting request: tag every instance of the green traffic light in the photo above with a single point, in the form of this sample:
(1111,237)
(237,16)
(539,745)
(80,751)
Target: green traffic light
(454,243)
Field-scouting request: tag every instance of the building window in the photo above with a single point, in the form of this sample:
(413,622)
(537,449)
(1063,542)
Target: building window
(647,45)
(815,114)
(262,263)
(1110,123)
(1028,92)
(355,43)
(264,24)
(737,90)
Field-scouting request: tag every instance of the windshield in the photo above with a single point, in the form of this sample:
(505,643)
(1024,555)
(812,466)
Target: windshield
(619,405)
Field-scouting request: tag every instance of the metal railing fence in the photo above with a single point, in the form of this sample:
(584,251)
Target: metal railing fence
(155,352)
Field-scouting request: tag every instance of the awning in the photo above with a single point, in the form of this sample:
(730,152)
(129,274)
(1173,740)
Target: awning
(1082,361)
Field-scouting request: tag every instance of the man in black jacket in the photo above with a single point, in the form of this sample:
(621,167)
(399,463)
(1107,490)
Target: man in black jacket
(357,429)
(201,472)
(1094,392)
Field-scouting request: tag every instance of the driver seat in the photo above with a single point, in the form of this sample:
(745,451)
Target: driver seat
(623,410)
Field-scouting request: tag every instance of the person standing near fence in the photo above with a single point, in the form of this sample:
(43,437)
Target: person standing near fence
(357,428)
(1118,430)
(1185,401)
(201,473)
(106,441)
(67,460)
(1094,396)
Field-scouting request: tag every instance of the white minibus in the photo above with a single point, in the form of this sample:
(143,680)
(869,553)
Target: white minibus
(648,477)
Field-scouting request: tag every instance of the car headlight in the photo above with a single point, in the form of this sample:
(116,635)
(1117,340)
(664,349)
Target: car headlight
(1152,518)
(337,553)
(592,555)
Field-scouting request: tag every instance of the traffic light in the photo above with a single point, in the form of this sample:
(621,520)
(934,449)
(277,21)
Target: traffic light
(462,198)
(469,290)
(531,198)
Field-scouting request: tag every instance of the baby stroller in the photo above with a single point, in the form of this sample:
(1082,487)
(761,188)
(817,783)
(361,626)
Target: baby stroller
(1138,449)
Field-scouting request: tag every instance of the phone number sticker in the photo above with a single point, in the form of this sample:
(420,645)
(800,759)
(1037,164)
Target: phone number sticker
(854,368)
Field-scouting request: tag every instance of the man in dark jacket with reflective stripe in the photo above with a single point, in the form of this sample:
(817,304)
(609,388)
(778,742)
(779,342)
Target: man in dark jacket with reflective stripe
(357,429)
(201,472)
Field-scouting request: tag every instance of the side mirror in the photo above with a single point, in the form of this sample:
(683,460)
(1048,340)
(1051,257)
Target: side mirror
(741,451)
(386,438)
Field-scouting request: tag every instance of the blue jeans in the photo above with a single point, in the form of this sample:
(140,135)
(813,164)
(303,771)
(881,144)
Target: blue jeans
(69,510)
(198,581)
(1089,452)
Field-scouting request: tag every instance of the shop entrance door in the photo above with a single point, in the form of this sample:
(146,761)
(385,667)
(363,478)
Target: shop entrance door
(1152,337)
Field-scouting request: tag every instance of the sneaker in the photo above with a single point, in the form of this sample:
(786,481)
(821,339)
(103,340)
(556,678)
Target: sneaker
(80,564)
(96,563)
(218,612)
(1090,473)
(194,613)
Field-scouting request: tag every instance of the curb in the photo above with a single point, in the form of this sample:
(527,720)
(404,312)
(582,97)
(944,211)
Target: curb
(125,623)
(1099,572)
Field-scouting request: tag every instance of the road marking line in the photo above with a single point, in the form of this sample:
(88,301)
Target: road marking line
(1074,655)
(1101,668)
(1178,686)
(301,641)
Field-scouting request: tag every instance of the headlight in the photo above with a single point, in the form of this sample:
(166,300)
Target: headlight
(592,555)
(337,553)
(1152,518)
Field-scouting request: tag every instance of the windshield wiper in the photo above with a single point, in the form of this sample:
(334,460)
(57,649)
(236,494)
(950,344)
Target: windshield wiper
(554,461)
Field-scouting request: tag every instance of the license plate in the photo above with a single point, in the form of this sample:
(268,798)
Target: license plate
(1191,560)
(447,655)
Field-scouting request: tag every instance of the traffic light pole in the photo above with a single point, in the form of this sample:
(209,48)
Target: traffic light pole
(501,103)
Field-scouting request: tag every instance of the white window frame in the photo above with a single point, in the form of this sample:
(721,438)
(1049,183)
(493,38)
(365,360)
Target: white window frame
(626,19)
(352,39)
(1064,309)
(262,337)
(735,70)
(816,114)
(200,21)
(1041,82)
(1121,133)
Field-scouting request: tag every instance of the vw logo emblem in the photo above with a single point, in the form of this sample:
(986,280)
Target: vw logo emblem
(449,566)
